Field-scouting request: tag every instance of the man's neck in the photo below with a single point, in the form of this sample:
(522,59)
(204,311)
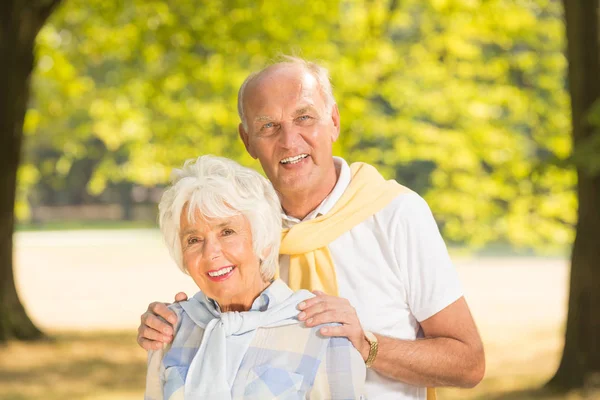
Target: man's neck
(300,204)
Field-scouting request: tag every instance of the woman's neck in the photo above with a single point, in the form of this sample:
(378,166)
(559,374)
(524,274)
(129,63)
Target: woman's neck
(235,307)
(242,304)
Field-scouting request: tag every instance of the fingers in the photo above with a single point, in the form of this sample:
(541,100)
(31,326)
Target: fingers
(311,310)
(180,297)
(156,324)
(149,344)
(323,298)
(161,310)
(150,338)
(341,330)
(330,316)
(327,307)
(324,309)
(154,330)
(354,334)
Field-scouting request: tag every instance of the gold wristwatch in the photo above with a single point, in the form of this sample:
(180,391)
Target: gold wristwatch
(372,339)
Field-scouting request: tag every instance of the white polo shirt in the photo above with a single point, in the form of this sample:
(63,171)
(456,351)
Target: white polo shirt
(394,268)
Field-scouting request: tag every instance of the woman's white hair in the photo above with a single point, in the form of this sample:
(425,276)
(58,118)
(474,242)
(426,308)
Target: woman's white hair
(221,188)
(321,75)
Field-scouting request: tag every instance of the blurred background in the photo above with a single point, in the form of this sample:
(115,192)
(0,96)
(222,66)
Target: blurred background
(464,101)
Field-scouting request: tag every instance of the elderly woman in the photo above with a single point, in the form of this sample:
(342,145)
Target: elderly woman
(239,336)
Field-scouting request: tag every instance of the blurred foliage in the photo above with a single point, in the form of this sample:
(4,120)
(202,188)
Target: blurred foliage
(462,100)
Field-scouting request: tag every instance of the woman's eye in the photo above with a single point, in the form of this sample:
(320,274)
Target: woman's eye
(228,232)
(193,240)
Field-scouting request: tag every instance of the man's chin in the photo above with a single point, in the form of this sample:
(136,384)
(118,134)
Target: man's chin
(291,184)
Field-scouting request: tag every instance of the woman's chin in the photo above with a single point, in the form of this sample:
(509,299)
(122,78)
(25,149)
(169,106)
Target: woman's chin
(222,292)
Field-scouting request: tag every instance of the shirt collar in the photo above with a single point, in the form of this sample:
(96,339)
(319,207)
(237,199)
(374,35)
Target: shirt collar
(329,202)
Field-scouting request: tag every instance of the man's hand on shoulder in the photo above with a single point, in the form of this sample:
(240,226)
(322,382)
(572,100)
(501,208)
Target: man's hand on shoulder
(156,327)
(325,309)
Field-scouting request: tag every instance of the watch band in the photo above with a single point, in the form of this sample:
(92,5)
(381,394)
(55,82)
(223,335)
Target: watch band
(372,339)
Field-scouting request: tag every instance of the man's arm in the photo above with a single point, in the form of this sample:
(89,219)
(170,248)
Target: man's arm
(156,326)
(451,354)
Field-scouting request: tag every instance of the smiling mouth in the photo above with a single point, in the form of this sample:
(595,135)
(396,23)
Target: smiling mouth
(221,272)
(294,159)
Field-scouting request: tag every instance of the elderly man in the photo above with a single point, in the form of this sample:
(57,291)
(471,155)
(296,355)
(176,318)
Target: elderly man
(371,247)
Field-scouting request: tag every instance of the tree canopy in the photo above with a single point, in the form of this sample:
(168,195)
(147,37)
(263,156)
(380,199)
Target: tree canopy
(462,100)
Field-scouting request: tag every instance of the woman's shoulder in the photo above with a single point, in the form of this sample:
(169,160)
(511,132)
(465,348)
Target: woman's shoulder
(300,338)
(185,324)
(179,311)
(330,366)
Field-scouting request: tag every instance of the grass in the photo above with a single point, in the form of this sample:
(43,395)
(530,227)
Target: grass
(86,366)
(110,366)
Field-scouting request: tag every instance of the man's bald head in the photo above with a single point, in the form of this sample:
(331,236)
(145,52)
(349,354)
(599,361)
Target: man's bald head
(321,75)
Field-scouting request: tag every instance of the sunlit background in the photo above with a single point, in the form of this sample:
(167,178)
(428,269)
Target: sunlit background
(464,101)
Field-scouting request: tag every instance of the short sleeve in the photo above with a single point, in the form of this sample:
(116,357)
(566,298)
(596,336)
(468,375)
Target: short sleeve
(431,280)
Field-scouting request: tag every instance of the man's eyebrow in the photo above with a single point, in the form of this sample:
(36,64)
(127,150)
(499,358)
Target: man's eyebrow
(304,110)
(263,118)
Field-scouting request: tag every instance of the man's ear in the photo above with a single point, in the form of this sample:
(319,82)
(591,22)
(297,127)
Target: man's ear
(246,140)
(335,119)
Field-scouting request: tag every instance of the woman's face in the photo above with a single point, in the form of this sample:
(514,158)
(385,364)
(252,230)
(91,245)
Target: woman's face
(219,257)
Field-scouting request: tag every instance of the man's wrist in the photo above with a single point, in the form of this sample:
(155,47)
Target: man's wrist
(373,348)
(365,348)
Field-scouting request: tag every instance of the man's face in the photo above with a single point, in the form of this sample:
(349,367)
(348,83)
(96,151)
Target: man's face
(290,130)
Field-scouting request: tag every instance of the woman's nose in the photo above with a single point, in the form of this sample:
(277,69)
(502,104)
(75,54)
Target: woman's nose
(212,249)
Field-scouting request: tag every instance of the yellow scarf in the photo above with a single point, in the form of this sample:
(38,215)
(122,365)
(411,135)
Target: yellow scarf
(311,266)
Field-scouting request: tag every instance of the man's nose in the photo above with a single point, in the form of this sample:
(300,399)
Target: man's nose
(289,135)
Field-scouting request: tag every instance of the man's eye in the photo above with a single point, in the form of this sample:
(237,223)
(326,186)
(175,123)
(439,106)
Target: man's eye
(268,125)
(304,118)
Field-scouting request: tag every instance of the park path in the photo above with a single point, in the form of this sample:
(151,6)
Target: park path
(103,280)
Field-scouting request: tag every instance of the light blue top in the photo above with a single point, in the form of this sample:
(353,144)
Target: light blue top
(264,353)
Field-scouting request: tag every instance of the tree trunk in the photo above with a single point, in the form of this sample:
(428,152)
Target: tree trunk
(580,364)
(20,22)
(126,201)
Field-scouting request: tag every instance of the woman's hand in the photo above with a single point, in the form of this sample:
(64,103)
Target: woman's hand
(325,309)
(156,327)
